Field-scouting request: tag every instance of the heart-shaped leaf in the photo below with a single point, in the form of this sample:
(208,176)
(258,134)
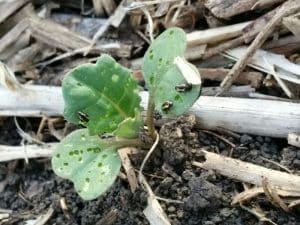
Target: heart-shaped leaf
(88,162)
(101,96)
(169,81)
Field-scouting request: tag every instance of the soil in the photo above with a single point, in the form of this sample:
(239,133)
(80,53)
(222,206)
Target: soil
(206,196)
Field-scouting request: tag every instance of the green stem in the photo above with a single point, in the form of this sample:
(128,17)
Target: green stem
(123,142)
(150,117)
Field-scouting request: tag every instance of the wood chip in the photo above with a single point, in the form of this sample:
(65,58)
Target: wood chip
(9,7)
(155,214)
(234,91)
(215,35)
(13,35)
(246,78)
(250,173)
(285,69)
(285,9)
(268,117)
(130,172)
(8,153)
(43,219)
(56,35)
(294,139)
(229,8)
(293,24)
(8,79)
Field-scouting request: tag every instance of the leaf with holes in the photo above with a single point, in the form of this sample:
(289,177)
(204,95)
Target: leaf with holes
(173,82)
(102,96)
(88,162)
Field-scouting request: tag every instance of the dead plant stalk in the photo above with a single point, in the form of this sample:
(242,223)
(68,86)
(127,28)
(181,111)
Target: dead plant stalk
(285,9)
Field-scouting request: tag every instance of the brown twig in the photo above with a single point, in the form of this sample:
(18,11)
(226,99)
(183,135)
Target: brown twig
(247,195)
(132,179)
(232,146)
(285,9)
(294,203)
(222,47)
(64,207)
(294,139)
(221,138)
(273,196)
(41,220)
(258,213)
(250,173)
(150,116)
(277,164)
(114,20)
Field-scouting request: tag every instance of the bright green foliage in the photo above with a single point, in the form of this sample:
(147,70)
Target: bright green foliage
(129,127)
(162,75)
(102,96)
(88,162)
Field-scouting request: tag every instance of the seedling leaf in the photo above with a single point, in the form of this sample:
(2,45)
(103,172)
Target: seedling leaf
(88,162)
(128,128)
(173,93)
(101,96)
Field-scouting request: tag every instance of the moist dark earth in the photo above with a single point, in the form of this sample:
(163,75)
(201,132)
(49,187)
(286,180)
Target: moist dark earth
(205,195)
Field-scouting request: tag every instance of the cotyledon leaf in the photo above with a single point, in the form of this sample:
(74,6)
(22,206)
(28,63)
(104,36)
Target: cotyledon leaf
(129,127)
(167,93)
(101,96)
(88,162)
(172,92)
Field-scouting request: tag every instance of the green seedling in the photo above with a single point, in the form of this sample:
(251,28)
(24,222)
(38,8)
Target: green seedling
(163,76)
(88,161)
(103,97)
(174,84)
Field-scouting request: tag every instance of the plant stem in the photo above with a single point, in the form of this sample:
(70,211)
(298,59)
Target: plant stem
(123,142)
(150,116)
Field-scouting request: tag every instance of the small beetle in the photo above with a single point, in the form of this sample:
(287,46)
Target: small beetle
(83,117)
(157,115)
(166,105)
(107,136)
(183,87)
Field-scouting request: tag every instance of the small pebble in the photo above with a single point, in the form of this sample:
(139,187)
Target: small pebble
(208,223)
(265,148)
(166,183)
(296,163)
(225,212)
(180,214)
(268,140)
(187,175)
(216,219)
(257,144)
(252,146)
(298,154)
(260,139)
(246,139)
(222,145)
(171,209)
